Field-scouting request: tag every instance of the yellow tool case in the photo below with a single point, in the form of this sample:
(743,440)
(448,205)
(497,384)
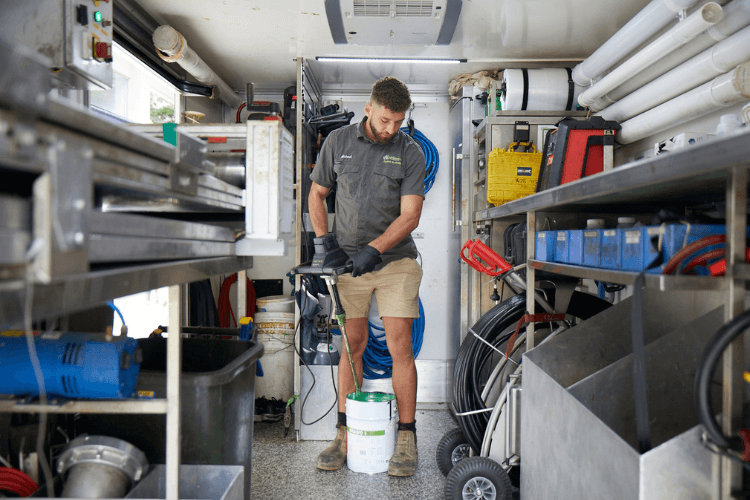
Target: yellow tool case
(512,173)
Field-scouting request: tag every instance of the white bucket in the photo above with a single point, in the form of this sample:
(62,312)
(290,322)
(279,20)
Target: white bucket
(371,420)
(274,322)
(277,336)
(275,303)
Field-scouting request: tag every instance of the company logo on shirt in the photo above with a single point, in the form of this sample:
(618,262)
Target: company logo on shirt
(395,160)
(348,157)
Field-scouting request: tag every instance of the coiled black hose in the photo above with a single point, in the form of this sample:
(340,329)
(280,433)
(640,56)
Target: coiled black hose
(705,374)
(473,356)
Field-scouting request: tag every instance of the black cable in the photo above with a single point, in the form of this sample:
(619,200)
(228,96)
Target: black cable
(335,389)
(705,374)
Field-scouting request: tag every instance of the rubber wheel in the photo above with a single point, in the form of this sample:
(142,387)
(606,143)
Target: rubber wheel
(451,449)
(478,478)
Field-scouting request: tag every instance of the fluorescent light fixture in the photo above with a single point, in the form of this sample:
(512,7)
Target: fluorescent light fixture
(389,60)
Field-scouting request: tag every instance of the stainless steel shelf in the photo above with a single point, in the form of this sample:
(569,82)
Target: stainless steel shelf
(657,281)
(693,175)
(150,406)
(83,291)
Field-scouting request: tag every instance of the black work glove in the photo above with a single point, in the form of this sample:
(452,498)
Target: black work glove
(364,261)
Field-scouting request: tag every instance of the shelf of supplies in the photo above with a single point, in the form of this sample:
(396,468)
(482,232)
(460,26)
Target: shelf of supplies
(151,406)
(693,175)
(657,281)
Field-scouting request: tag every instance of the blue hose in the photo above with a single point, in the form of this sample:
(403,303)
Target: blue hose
(431,157)
(115,309)
(377,357)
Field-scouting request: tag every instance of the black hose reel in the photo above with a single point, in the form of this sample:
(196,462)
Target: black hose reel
(737,446)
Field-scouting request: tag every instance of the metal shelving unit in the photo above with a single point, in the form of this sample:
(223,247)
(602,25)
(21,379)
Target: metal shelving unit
(66,172)
(703,175)
(658,281)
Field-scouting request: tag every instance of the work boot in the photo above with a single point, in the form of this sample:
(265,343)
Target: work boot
(334,457)
(404,460)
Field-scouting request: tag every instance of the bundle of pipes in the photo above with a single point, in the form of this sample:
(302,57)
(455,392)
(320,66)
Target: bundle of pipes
(712,43)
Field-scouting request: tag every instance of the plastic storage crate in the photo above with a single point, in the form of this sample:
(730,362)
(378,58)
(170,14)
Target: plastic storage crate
(512,174)
(217,403)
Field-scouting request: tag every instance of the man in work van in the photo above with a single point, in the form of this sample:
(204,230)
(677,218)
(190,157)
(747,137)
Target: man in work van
(379,172)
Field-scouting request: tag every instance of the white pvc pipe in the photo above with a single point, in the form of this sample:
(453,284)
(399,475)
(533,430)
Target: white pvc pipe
(679,35)
(713,62)
(170,42)
(736,16)
(648,22)
(721,92)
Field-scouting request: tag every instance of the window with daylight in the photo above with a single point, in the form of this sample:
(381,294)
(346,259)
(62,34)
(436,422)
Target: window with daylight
(138,94)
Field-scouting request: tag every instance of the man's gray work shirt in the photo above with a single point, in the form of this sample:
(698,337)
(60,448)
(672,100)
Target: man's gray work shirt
(371,178)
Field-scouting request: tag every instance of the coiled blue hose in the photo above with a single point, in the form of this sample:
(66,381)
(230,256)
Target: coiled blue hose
(431,157)
(377,357)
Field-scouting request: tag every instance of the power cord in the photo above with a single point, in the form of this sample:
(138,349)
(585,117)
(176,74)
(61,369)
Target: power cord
(330,362)
(30,342)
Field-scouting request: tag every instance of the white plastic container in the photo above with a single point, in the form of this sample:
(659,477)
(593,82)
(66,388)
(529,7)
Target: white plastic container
(274,322)
(547,89)
(371,419)
(276,332)
(275,303)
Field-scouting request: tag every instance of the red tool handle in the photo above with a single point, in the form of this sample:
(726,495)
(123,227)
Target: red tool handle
(484,259)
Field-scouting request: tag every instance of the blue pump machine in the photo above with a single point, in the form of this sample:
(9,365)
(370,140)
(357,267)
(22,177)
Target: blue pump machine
(74,365)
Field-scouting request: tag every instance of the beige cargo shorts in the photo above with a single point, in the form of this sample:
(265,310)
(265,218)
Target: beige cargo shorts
(396,288)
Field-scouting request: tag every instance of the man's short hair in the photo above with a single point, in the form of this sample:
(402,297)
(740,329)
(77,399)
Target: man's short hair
(391,93)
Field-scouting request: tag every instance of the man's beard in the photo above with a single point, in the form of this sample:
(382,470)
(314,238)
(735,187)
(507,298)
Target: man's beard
(378,136)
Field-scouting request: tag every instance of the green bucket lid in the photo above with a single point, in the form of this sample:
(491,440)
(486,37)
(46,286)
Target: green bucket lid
(367,397)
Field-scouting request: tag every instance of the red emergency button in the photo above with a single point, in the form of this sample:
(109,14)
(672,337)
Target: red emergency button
(102,50)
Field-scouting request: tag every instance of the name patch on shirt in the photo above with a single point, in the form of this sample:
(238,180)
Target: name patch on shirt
(348,157)
(394,160)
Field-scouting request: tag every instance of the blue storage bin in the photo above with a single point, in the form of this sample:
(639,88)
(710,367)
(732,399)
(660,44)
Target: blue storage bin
(561,247)
(650,251)
(575,246)
(632,245)
(545,246)
(675,236)
(592,241)
(611,256)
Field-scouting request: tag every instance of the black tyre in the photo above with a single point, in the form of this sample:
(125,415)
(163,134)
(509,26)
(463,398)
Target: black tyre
(478,478)
(451,449)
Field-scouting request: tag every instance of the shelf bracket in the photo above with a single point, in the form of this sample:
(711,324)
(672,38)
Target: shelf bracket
(174,365)
(530,275)
(736,220)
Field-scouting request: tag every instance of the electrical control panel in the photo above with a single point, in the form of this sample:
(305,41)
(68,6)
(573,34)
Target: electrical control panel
(75,35)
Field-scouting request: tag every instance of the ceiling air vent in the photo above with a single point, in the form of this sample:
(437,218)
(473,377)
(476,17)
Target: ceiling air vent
(393,22)
(389,8)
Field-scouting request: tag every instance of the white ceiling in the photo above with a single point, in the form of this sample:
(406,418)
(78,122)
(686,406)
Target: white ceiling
(258,40)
